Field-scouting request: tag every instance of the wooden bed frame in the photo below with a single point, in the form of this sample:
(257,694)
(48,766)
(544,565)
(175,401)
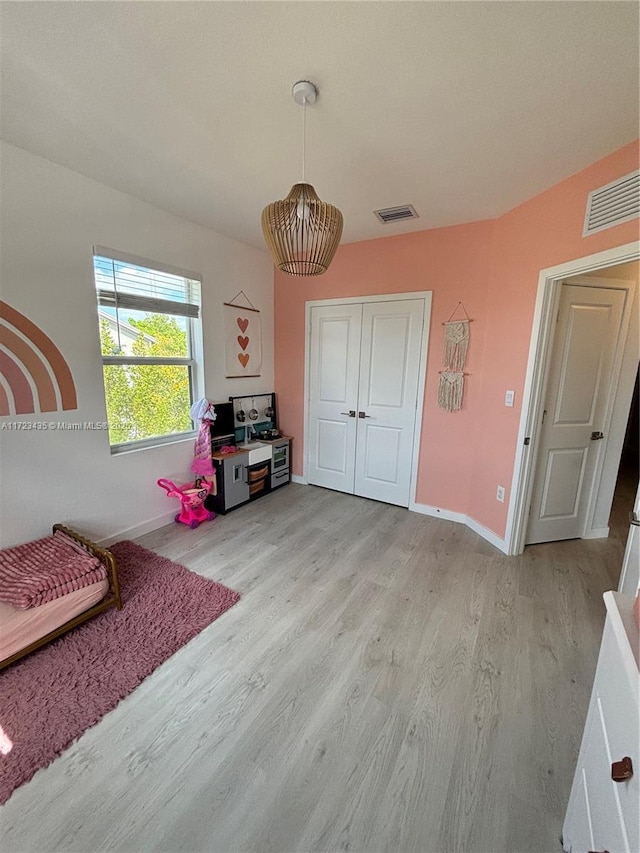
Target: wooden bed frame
(111,599)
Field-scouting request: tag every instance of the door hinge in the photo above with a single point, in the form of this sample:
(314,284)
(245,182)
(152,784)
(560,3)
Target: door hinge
(544,415)
(527,441)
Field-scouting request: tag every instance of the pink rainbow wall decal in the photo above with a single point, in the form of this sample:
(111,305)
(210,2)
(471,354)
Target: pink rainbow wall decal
(4,400)
(39,359)
(18,384)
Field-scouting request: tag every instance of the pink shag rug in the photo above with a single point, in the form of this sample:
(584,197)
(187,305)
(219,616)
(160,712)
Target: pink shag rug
(49,698)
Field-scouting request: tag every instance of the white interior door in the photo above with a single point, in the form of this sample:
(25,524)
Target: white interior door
(333,395)
(364,367)
(586,348)
(387,393)
(630,575)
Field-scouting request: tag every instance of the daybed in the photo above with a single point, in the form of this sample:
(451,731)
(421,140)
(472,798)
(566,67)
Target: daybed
(25,630)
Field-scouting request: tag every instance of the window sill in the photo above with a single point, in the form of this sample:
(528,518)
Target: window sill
(150,443)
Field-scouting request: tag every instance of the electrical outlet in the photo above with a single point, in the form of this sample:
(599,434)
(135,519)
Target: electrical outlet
(500,494)
(509,397)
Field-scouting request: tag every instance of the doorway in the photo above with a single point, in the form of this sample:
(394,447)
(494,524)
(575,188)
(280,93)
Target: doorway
(366,366)
(624,521)
(538,369)
(628,476)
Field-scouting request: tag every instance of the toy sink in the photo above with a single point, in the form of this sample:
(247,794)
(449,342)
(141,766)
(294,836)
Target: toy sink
(257,452)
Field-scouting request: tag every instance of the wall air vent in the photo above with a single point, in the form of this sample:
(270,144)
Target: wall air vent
(613,204)
(396,214)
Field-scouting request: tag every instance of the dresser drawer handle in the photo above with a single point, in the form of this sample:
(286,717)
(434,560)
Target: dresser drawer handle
(622,770)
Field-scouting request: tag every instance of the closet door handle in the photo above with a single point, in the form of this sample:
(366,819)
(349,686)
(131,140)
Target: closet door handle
(351,413)
(633,519)
(362,415)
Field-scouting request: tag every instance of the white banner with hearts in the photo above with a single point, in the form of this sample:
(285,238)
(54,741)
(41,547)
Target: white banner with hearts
(243,341)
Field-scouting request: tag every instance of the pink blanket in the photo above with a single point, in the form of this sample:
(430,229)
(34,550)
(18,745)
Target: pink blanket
(37,572)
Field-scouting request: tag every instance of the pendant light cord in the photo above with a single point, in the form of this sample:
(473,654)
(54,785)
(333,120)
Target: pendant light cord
(304,134)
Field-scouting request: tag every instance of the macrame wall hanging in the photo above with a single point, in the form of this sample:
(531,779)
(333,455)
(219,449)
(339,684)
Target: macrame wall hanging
(454,356)
(450,390)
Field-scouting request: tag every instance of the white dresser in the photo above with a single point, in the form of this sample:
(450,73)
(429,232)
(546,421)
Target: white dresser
(603,814)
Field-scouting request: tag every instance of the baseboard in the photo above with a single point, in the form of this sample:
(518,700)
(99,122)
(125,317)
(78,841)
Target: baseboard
(491,537)
(139,529)
(596,533)
(438,512)
(461,518)
(296,478)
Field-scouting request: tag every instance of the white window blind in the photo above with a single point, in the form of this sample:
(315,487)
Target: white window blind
(123,283)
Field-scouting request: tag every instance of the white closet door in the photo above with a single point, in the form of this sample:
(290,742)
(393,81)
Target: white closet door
(387,397)
(333,395)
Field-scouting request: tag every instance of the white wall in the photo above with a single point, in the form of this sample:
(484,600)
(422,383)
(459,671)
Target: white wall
(51,218)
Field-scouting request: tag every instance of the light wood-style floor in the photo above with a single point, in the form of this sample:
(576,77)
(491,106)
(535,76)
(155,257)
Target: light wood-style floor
(388,682)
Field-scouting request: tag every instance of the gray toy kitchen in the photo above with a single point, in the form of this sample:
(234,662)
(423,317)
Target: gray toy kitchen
(249,454)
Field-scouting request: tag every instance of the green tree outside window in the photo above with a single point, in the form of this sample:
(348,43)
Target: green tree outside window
(147,400)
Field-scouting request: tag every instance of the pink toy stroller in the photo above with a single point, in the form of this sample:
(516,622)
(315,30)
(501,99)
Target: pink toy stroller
(192,512)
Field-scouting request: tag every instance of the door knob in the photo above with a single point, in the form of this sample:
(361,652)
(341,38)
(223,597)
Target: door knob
(596,436)
(362,415)
(633,519)
(622,770)
(351,413)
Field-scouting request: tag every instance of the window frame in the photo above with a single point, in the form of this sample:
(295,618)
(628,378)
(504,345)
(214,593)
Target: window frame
(194,361)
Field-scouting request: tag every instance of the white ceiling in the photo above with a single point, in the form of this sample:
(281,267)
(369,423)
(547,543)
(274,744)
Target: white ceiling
(463,109)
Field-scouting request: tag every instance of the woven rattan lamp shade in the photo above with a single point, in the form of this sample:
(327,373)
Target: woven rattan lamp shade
(302,233)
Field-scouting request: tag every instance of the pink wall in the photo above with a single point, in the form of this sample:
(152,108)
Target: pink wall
(493,267)
(542,232)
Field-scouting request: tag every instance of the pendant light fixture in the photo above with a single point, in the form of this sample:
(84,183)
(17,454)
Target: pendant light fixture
(302,233)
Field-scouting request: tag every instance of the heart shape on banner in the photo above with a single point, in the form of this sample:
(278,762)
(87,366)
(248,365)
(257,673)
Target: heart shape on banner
(244,342)
(243,358)
(242,324)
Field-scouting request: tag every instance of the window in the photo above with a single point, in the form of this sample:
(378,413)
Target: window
(151,344)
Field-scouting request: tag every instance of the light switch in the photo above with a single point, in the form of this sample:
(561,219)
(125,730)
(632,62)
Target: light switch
(509,398)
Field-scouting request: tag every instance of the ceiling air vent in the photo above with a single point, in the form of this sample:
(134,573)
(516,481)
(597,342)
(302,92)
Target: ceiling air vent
(396,214)
(613,204)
